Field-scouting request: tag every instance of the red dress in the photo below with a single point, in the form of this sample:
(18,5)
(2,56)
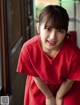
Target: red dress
(66,65)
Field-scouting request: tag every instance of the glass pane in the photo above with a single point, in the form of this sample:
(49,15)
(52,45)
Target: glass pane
(69,6)
(42,3)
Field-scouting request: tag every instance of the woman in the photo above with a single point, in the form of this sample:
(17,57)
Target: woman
(51,62)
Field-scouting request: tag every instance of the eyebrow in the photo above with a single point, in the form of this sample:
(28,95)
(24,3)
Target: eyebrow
(48,27)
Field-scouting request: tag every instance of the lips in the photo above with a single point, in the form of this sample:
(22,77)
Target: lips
(51,42)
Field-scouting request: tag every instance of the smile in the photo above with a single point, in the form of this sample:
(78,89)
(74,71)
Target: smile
(51,43)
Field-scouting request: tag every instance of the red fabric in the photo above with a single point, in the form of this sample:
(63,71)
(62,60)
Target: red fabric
(34,62)
(73,37)
(73,96)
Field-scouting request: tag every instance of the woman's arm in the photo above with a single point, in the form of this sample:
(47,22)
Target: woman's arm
(43,87)
(64,88)
(45,90)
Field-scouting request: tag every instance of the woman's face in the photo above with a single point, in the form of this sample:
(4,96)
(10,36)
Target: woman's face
(51,38)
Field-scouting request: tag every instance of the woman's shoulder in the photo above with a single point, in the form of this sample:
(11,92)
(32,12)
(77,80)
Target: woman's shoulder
(71,47)
(31,45)
(32,41)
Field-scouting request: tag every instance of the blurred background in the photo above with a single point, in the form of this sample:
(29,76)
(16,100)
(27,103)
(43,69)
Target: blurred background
(18,24)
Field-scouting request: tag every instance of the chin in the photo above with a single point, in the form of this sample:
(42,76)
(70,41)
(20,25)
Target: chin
(51,47)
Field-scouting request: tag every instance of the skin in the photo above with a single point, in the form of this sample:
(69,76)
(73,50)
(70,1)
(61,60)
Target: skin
(50,100)
(64,88)
(51,43)
(51,39)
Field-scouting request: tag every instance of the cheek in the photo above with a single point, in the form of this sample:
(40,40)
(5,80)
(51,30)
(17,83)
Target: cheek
(61,37)
(44,36)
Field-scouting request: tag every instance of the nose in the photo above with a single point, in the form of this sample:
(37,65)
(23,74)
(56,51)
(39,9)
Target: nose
(52,35)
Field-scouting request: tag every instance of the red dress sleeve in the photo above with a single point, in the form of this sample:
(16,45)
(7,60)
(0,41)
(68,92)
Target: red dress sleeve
(74,73)
(24,65)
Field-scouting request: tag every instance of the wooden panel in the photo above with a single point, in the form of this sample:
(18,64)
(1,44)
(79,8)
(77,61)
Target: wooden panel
(16,40)
(3,48)
(14,21)
(0,55)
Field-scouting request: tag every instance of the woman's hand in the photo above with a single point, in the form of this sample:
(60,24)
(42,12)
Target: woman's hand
(58,101)
(50,100)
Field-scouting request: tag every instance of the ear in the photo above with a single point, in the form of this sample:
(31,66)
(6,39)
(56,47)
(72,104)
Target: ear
(68,35)
(38,28)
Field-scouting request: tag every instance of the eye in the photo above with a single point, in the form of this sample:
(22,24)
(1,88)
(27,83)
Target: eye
(61,30)
(48,29)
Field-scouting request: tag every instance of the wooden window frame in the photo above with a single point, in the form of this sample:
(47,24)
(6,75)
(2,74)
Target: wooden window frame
(4,49)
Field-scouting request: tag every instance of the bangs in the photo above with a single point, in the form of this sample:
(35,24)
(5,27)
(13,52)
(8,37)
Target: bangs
(56,21)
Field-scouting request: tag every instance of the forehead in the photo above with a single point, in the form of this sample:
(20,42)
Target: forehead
(49,23)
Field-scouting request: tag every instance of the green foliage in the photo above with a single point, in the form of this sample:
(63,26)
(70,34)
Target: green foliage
(38,9)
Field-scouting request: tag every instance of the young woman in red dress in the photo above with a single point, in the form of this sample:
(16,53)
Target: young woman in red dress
(51,62)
